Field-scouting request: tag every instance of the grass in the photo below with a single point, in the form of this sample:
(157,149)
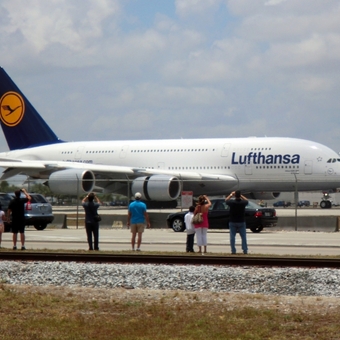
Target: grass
(64,313)
(41,313)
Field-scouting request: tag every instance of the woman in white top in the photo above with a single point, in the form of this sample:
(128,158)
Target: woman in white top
(2,224)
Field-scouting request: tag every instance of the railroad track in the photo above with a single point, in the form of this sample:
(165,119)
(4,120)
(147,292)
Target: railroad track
(240,260)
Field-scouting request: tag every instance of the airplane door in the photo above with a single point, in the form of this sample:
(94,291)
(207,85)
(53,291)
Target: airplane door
(161,165)
(79,153)
(308,167)
(248,169)
(123,151)
(225,150)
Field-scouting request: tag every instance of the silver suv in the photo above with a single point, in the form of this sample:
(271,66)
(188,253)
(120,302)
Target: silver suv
(38,213)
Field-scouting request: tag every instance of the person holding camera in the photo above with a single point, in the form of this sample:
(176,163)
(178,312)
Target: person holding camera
(17,208)
(91,220)
(201,229)
(2,223)
(237,222)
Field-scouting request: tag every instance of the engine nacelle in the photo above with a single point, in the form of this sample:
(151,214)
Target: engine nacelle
(264,195)
(157,187)
(71,182)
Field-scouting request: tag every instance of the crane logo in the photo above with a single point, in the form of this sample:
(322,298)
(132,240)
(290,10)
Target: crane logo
(12,108)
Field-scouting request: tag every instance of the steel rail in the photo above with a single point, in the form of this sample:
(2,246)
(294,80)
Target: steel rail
(240,260)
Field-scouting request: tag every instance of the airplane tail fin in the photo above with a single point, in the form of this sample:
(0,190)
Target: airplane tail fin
(21,123)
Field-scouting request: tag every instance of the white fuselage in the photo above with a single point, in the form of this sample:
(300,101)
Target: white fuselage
(259,164)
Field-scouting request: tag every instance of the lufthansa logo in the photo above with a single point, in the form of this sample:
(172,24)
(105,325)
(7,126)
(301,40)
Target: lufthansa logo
(12,108)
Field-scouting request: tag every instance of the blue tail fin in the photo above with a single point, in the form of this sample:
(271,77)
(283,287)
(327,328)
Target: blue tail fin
(21,123)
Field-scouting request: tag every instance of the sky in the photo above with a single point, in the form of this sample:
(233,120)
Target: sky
(151,69)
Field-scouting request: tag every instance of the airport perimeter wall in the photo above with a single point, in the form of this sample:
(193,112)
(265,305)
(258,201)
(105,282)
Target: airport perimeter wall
(158,220)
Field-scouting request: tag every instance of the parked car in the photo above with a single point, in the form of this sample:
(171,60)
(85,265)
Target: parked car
(304,203)
(4,200)
(257,217)
(282,204)
(38,213)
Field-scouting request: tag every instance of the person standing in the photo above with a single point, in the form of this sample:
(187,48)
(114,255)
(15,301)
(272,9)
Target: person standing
(190,229)
(91,223)
(137,215)
(2,223)
(17,208)
(237,222)
(201,229)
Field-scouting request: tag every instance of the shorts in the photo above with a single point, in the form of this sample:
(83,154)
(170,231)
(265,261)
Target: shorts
(18,227)
(137,227)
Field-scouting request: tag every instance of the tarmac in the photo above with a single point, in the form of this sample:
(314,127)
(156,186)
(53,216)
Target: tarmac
(165,240)
(305,231)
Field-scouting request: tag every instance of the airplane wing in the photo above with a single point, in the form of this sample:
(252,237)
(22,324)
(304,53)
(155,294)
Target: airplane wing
(104,174)
(41,169)
(14,167)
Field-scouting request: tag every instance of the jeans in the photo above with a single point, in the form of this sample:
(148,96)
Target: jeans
(190,243)
(238,227)
(92,228)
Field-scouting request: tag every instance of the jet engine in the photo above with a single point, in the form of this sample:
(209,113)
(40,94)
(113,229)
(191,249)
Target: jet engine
(157,187)
(263,195)
(71,182)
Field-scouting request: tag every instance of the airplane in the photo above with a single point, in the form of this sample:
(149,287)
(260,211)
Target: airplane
(160,170)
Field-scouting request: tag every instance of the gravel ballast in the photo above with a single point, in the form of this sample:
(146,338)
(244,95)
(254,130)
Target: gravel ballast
(271,281)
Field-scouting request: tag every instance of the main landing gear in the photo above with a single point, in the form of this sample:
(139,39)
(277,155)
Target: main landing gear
(326,204)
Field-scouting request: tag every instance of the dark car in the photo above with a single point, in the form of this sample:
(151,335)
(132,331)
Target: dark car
(282,204)
(304,203)
(38,213)
(4,200)
(257,217)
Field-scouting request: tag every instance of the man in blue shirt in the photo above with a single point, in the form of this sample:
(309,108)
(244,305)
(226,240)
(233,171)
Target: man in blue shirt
(137,216)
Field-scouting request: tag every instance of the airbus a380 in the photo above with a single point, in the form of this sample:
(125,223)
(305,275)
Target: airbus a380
(159,169)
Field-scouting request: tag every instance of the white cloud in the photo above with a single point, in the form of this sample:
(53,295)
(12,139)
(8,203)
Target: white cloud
(186,8)
(70,24)
(259,68)
(274,2)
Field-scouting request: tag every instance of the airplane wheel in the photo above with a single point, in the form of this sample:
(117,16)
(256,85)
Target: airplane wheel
(323,204)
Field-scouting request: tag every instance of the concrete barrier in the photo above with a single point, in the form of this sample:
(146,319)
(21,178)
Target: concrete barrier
(309,223)
(158,220)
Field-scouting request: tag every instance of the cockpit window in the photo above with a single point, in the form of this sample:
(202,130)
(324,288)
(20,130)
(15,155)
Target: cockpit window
(333,160)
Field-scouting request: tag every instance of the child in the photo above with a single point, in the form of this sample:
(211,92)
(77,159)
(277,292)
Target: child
(2,225)
(189,227)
